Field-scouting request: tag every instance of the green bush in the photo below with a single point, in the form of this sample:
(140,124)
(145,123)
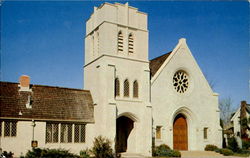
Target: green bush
(49,153)
(163,147)
(217,150)
(157,151)
(171,153)
(165,151)
(233,145)
(211,147)
(244,151)
(226,152)
(85,153)
(246,144)
(102,148)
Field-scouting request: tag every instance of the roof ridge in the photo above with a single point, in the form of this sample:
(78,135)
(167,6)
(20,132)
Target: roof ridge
(37,85)
(161,56)
(157,62)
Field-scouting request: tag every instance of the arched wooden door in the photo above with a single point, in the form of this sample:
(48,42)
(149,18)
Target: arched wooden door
(180,132)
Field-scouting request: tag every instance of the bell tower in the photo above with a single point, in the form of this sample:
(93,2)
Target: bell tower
(116,72)
(116,30)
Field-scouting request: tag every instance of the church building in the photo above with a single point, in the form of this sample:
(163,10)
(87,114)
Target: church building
(133,101)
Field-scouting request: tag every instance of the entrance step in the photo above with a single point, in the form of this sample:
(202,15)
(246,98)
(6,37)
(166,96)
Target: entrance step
(131,155)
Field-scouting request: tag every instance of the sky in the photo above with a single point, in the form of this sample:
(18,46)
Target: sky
(45,40)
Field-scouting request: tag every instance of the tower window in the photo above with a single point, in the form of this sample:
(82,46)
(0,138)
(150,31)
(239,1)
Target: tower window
(130,43)
(117,87)
(135,89)
(205,132)
(126,88)
(120,42)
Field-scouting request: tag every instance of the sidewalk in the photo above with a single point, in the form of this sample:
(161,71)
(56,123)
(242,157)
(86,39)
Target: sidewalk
(204,154)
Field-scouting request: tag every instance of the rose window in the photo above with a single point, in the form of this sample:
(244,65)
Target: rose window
(180,81)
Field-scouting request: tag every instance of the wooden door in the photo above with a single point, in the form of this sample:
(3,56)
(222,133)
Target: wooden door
(180,133)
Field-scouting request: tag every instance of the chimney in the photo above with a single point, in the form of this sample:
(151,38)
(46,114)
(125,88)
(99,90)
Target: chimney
(243,107)
(24,83)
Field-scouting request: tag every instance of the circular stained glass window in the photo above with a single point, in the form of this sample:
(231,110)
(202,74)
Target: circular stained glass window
(180,81)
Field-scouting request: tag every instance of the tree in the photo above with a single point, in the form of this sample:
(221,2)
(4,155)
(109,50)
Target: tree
(226,109)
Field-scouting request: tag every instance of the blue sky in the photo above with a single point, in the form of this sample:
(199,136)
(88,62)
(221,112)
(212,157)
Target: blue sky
(45,40)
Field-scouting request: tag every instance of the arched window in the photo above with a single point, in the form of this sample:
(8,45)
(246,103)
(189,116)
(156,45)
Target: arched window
(130,43)
(117,87)
(135,89)
(120,42)
(126,88)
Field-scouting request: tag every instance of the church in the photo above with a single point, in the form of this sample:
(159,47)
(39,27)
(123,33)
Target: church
(133,101)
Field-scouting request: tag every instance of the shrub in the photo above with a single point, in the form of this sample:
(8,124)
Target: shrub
(233,145)
(157,151)
(218,150)
(7,154)
(244,151)
(85,153)
(211,147)
(245,144)
(49,153)
(164,150)
(226,152)
(102,148)
(163,147)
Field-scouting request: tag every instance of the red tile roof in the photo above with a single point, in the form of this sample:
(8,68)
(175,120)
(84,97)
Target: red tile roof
(48,103)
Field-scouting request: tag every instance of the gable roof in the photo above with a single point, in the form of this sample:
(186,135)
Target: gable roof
(155,64)
(237,113)
(48,103)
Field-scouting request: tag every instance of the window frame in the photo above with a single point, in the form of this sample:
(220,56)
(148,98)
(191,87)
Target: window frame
(117,87)
(126,88)
(12,129)
(205,133)
(66,132)
(54,131)
(81,132)
(135,89)
(158,132)
(120,42)
(131,43)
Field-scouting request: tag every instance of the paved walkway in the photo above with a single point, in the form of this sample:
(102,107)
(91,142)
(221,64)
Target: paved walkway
(187,154)
(203,154)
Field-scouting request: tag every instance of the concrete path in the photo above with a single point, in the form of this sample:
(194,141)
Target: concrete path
(185,154)
(203,154)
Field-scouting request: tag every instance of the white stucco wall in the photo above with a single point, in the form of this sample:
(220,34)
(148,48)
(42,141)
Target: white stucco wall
(199,104)
(21,143)
(102,67)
